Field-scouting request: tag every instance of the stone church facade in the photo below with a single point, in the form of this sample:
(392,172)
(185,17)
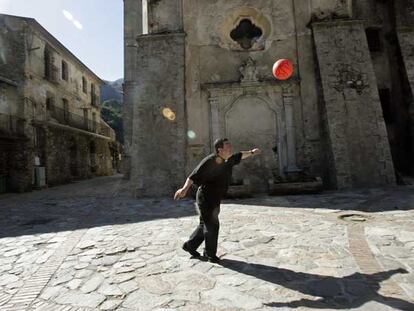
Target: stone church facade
(197,70)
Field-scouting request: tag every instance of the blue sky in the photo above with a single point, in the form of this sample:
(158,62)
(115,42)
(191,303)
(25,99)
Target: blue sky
(90,29)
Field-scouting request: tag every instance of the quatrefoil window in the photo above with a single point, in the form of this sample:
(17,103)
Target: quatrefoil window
(246,34)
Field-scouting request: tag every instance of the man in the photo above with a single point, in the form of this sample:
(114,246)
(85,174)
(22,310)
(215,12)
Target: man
(213,176)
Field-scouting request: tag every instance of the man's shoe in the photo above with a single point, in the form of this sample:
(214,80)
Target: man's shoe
(213,259)
(193,253)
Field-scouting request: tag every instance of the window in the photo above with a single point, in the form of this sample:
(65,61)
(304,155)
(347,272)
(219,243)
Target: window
(93,95)
(65,72)
(94,124)
(50,70)
(374,39)
(84,85)
(85,119)
(246,34)
(65,110)
(50,102)
(48,63)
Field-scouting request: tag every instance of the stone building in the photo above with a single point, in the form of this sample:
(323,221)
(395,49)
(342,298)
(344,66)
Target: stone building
(196,70)
(51,131)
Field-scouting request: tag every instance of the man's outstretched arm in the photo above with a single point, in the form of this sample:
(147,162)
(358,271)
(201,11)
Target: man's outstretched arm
(182,192)
(253,152)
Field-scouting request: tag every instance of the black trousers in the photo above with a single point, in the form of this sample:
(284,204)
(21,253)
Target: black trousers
(207,230)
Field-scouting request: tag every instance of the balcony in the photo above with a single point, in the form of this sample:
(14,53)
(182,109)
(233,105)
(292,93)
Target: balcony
(65,117)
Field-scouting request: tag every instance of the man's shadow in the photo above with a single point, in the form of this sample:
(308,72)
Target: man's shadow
(347,292)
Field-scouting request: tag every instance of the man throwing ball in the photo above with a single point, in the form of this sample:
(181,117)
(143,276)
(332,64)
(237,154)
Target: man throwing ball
(213,176)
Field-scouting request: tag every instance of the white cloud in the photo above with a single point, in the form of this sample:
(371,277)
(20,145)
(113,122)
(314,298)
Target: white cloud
(78,24)
(68,15)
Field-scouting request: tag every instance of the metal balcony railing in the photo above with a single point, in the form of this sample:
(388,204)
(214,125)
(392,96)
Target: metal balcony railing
(78,121)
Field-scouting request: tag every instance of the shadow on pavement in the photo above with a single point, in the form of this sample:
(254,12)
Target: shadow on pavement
(366,200)
(87,204)
(347,292)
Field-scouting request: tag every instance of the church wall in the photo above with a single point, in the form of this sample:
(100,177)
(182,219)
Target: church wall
(213,57)
(194,53)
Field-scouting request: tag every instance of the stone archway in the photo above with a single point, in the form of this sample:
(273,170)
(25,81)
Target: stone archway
(250,122)
(253,113)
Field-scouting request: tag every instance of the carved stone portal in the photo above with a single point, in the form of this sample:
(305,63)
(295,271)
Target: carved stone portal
(255,114)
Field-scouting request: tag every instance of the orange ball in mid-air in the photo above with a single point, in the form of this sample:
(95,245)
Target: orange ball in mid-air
(283,69)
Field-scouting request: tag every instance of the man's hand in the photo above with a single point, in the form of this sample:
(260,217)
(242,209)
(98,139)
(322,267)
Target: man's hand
(256,151)
(247,154)
(181,193)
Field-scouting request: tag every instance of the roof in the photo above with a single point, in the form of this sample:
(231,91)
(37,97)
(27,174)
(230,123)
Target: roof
(54,42)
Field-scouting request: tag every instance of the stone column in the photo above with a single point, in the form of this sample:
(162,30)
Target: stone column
(132,28)
(290,130)
(215,119)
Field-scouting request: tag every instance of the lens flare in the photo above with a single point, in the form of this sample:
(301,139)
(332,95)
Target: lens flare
(168,114)
(68,15)
(191,134)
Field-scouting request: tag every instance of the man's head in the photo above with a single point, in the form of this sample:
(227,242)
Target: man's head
(223,147)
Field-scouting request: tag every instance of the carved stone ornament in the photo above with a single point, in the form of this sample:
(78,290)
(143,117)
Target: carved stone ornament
(349,77)
(248,71)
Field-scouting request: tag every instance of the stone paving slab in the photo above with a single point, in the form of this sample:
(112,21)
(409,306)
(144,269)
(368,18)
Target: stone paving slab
(103,250)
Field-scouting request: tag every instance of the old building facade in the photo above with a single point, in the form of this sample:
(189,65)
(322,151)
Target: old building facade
(50,125)
(196,70)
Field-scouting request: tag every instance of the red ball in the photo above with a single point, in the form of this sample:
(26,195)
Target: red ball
(283,69)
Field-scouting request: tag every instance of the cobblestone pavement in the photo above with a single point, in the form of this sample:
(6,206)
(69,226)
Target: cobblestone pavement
(89,246)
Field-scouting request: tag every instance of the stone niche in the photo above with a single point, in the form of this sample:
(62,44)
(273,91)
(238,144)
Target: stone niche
(253,113)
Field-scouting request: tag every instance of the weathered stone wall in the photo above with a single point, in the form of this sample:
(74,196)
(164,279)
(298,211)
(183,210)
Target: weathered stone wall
(333,133)
(22,61)
(357,133)
(38,88)
(74,156)
(213,57)
(164,16)
(388,27)
(158,141)
(8,104)
(15,165)
(405,31)
(132,28)
(12,54)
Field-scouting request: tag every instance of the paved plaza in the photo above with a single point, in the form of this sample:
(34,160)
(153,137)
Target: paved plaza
(90,246)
